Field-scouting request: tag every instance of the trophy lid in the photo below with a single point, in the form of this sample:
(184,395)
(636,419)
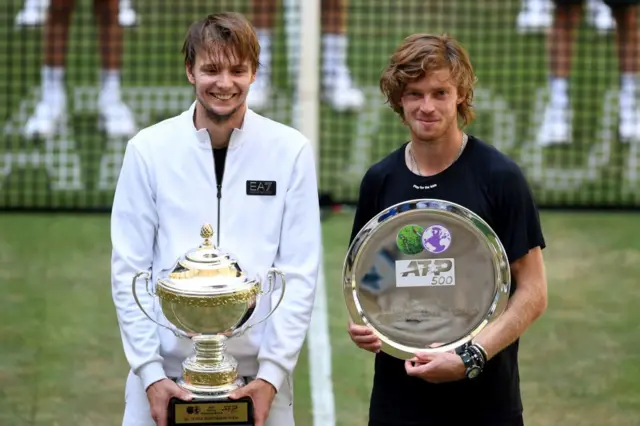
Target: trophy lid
(207,271)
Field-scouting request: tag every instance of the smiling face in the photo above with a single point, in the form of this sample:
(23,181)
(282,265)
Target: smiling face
(221,59)
(221,83)
(430,106)
(428,80)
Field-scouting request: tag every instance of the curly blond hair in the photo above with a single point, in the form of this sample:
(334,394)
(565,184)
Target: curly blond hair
(421,54)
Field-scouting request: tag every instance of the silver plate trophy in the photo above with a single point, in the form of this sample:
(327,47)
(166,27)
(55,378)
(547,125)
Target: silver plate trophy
(427,276)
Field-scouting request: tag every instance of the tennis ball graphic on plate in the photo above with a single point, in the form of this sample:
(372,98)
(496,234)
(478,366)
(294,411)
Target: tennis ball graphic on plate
(409,239)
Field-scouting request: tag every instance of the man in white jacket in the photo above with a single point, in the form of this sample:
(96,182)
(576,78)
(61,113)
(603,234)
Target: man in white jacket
(255,180)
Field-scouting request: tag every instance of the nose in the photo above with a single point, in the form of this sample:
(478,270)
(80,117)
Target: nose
(224,80)
(427,107)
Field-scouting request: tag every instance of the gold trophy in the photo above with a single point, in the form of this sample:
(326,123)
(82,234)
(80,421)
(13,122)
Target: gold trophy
(208,298)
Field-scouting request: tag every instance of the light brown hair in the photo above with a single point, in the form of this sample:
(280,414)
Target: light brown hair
(421,54)
(228,33)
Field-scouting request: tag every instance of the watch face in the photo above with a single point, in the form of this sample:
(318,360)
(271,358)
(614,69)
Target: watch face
(473,373)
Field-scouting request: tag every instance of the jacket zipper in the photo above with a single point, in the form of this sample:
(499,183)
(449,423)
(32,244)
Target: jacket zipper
(219,185)
(219,189)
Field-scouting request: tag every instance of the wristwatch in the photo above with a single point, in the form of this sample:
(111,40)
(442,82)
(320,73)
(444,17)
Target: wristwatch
(472,368)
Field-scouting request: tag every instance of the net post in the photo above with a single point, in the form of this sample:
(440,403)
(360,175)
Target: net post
(308,109)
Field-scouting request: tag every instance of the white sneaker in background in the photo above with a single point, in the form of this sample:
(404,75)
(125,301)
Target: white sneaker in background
(258,96)
(534,16)
(115,117)
(34,13)
(127,16)
(556,126)
(340,92)
(599,16)
(47,117)
(629,125)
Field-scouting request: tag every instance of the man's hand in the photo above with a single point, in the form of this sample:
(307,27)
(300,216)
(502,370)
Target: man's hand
(262,394)
(364,338)
(159,394)
(436,368)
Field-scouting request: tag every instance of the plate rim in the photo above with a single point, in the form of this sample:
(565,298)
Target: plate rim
(500,264)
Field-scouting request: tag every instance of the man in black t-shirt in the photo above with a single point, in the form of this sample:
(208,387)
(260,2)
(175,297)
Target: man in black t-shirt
(429,84)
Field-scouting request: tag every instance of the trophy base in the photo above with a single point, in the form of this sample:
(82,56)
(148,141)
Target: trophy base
(211,406)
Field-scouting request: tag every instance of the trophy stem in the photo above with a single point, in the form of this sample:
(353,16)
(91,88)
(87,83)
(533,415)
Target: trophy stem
(210,349)
(210,372)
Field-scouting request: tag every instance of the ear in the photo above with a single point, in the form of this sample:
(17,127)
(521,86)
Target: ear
(253,77)
(461,97)
(190,76)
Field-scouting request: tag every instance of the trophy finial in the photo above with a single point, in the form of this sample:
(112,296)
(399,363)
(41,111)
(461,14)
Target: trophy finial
(206,232)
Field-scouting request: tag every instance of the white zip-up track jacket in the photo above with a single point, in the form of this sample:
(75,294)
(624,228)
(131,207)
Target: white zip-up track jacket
(167,190)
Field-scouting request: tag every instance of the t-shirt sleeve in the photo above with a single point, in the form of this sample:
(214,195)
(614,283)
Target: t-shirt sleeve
(366,207)
(518,222)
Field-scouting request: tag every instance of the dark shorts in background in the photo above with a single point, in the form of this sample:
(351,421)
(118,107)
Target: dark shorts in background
(516,421)
(610,3)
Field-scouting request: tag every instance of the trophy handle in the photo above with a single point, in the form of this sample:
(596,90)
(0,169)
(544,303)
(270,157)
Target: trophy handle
(147,276)
(271,274)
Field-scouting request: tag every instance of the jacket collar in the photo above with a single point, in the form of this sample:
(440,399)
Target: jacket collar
(237,136)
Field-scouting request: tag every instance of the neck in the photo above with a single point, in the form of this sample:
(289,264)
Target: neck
(432,157)
(219,130)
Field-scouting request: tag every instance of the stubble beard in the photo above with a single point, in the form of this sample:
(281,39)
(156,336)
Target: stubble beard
(215,116)
(423,137)
(429,138)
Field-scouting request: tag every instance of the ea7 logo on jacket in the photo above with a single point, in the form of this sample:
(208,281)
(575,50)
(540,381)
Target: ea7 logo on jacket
(425,273)
(261,187)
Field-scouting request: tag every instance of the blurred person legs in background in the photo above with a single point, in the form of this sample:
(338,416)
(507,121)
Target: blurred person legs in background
(537,15)
(115,117)
(338,88)
(34,13)
(557,119)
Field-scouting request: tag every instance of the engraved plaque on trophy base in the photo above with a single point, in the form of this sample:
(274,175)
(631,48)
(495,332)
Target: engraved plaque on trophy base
(213,412)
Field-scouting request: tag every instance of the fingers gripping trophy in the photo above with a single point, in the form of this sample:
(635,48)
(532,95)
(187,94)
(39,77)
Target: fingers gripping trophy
(208,298)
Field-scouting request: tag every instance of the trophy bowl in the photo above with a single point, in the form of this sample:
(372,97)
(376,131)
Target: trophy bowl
(425,275)
(207,293)
(208,298)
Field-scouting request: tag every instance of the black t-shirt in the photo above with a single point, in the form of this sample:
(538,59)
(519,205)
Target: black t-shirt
(219,157)
(493,186)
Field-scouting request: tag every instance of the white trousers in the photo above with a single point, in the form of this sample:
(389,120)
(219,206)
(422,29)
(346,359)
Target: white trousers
(138,413)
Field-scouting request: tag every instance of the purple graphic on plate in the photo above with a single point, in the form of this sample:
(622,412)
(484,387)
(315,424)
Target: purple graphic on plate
(436,239)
